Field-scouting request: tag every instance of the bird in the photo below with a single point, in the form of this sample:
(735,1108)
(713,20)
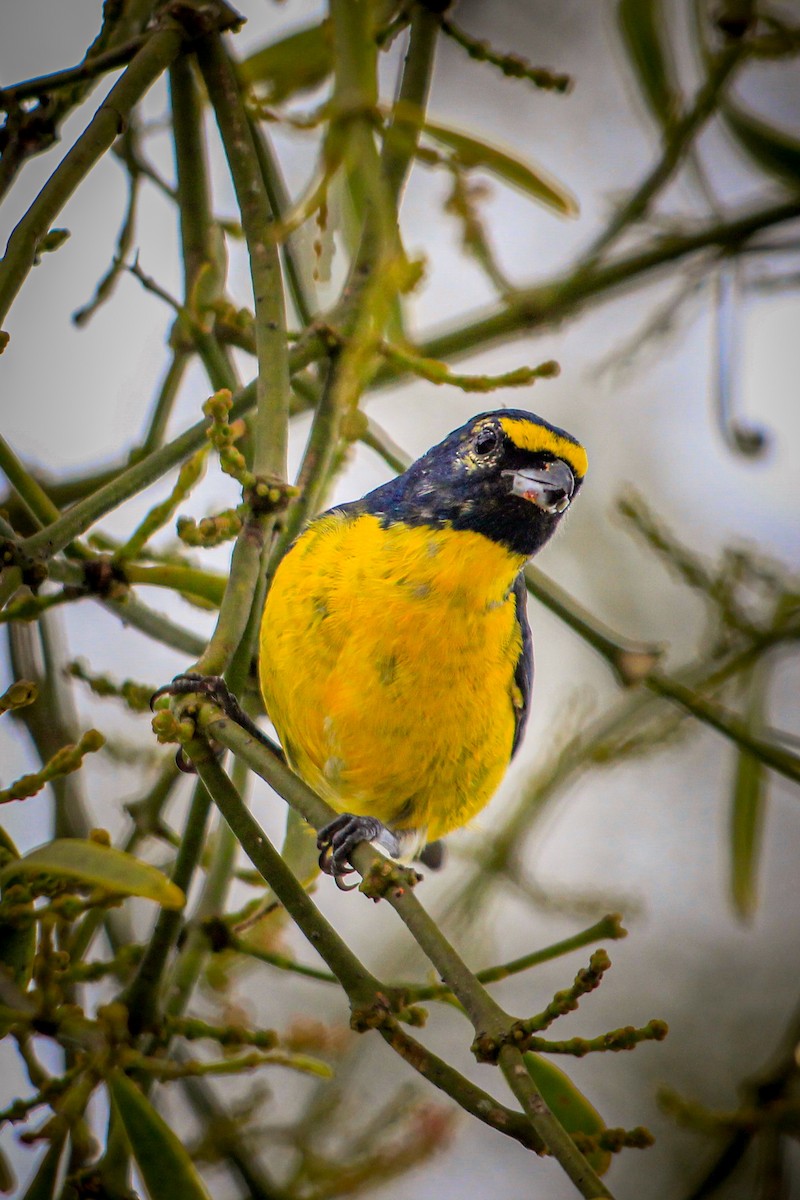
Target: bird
(395,654)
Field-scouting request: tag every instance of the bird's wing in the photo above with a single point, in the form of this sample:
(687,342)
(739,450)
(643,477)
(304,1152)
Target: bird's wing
(523,672)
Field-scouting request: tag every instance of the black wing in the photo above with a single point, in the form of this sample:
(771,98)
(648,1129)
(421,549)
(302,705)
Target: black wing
(523,672)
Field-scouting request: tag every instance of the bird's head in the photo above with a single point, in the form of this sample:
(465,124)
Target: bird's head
(509,475)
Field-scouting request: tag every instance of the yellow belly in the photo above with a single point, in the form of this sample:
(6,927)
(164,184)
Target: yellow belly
(387,667)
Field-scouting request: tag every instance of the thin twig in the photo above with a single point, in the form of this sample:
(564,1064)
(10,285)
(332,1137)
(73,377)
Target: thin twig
(155,55)
(489,1020)
(637,205)
(90,68)
(363,989)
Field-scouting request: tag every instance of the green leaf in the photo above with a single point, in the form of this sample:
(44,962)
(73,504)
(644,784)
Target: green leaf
(748,809)
(17,944)
(771,149)
(297,63)
(162,1159)
(643,30)
(535,182)
(43,1184)
(569,1104)
(90,863)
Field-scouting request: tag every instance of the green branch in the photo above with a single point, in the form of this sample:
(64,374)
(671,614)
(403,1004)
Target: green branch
(90,68)
(401,137)
(29,490)
(549,303)
(678,140)
(469,1097)
(191,170)
(35,653)
(438,373)
(727,723)
(300,287)
(361,987)
(241,946)
(202,241)
(607,927)
(491,1023)
(618,733)
(534,308)
(270,426)
(132,611)
(10,582)
(165,401)
(190,581)
(66,760)
(359,984)
(195,951)
(189,476)
(125,484)
(142,997)
(374,271)
(513,66)
(615,1040)
(557,1140)
(272,384)
(315,466)
(148,63)
(630,661)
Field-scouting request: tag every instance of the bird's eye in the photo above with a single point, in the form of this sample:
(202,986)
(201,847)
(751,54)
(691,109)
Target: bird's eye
(486,441)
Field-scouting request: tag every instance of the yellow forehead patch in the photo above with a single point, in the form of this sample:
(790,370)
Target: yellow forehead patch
(537,438)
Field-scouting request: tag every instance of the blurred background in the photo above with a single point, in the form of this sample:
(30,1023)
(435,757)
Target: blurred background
(683,388)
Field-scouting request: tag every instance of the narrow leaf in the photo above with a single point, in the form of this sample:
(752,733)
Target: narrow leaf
(772,149)
(748,809)
(297,63)
(90,863)
(43,1184)
(569,1104)
(643,31)
(534,181)
(162,1159)
(7,1178)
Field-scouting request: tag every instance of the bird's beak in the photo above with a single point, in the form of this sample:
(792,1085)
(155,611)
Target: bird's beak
(550,486)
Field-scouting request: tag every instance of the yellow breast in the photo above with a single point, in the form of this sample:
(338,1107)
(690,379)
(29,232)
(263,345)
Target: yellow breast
(387,667)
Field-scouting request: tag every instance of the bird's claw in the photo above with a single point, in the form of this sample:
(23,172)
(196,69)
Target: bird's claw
(213,687)
(338,839)
(338,872)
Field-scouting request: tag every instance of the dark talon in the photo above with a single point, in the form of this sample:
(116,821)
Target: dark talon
(183,763)
(216,689)
(339,838)
(328,866)
(182,685)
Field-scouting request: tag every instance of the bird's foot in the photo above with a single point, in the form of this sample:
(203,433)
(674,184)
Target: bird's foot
(214,688)
(337,840)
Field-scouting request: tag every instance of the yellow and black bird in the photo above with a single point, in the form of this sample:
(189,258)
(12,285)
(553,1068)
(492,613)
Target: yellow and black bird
(395,657)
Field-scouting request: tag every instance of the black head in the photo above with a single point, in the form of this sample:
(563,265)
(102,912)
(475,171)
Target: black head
(508,475)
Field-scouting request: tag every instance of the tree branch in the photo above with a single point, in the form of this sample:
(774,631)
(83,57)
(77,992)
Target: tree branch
(148,63)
